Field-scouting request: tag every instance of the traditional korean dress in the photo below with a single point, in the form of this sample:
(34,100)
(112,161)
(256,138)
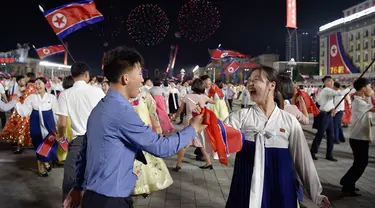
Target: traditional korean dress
(155,175)
(173,100)
(42,120)
(158,94)
(220,107)
(274,151)
(17,128)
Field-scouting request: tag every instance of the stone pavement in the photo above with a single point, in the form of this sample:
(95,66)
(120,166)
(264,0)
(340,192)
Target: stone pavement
(21,187)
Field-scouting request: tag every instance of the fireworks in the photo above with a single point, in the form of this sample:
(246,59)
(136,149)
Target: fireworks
(147,24)
(198,20)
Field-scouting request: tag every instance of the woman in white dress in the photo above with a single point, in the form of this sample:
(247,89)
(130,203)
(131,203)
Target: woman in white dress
(274,151)
(41,107)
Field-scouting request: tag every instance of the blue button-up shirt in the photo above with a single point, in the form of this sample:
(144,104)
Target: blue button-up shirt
(114,134)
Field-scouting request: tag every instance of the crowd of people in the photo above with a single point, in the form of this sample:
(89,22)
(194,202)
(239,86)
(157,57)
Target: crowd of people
(119,128)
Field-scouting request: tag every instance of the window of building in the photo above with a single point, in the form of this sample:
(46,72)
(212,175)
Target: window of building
(351,48)
(358,58)
(365,57)
(358,47)
(351,37)
(366,33)
(365,45)
(358,35)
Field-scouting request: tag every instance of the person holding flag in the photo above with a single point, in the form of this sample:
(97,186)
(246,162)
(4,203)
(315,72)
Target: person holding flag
(41,107)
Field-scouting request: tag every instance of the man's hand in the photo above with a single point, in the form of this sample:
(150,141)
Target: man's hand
(196,122)
(333,112)
(74,199)
(325,203)
(15,98)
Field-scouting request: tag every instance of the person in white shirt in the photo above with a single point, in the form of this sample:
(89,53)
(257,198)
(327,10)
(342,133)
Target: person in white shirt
(3,98)
(360,136)
(147,84)
(324,121)
(338,132)
(76,103)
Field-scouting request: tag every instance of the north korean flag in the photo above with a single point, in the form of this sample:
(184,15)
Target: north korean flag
(49,51)
(220,54)
(69,18)
(232,68)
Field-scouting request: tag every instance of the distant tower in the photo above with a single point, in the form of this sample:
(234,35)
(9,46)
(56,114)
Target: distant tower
(291,25)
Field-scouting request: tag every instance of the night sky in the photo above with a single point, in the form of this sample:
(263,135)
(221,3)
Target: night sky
(251,27)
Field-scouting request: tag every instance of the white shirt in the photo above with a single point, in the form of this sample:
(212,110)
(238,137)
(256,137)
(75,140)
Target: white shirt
(361,128)
(6,84)
(2,90)
(77,103)
(325,98)
(36,102)
(336,100)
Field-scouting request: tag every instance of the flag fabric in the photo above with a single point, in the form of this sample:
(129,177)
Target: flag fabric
(347,117)
(223,138)
(309,102)
(215,90)
(69,18)
(219,54)
(232,68)
(46,146)
(64,144)
(49,51)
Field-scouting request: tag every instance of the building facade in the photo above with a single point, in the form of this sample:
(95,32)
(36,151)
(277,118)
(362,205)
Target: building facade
(347,45)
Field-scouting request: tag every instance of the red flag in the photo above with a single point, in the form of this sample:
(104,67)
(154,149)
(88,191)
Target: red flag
(64,144)
(347,117)
(215,90)
(46,146)
(219,54)
(309,102)
(49,51)
(223,138)
(232,68)
(69,18)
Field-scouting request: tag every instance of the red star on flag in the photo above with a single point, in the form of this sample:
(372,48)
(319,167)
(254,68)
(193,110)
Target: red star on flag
(60,20)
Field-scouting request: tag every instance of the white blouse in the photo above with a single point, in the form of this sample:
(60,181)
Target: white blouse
(36,102)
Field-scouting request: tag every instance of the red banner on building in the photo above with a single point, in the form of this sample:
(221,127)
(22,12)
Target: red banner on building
(338,61)
(291,13)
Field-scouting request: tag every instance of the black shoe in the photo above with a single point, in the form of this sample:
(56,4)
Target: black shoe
(330,158)
(350,193)
(145,195)
(355,189)
(206,167)
(342,140)
(177,168)
(17,151)
(49,168)
(313,156)
(336,142)
(179,123)
(45,174)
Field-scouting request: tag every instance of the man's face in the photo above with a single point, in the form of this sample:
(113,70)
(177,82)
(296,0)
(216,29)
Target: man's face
(207,83)
(134,80)
(148,83)
(329,82)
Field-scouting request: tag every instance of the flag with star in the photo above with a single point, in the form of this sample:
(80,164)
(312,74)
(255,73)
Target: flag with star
(49,51)
(71,17)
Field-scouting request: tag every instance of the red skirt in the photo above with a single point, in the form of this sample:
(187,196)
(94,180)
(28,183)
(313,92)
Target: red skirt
(347,117)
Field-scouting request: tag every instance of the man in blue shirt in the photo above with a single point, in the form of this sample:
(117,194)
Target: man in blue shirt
(114,135)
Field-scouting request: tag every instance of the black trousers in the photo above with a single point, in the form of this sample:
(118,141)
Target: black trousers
(92,199)
(360,151)
(70,165)
(230,101)
(3,118)
(324,125)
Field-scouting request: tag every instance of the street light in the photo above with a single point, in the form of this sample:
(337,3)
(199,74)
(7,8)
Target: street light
(291,65)
(245,77)
(195,68)
(182,72)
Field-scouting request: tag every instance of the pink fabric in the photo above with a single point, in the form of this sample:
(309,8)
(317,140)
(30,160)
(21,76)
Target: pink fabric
(161,110)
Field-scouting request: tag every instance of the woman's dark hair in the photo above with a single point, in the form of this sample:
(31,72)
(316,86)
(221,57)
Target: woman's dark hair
(204,77)
(157,82)
(271,75)
(18,78)
(285,86)
(145,80)
(337,84)
(42,79)
(198,86)
(219,84)
(68,82)
(105,82)
(31,77)
(120,60)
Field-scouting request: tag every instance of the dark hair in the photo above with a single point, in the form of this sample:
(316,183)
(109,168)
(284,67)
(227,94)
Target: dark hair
(184,82)
(360,83)
(31,77)
(337,84)
(60,78)
(204,77)
(68,82)
(285,85)
(18,78)
(219,84)
(42,79)
(198,86)
(79,69)
(325,78)
(120,60)
(105,82)
(157,82)
(146,79)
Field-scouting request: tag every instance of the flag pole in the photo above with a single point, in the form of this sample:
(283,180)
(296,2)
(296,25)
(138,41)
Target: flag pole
(363,73)
(62,42)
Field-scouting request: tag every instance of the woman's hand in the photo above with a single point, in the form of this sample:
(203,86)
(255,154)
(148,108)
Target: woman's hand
(325,203)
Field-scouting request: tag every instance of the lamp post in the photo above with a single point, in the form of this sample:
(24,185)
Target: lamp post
(292,63)
(245,75)
(182,72)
